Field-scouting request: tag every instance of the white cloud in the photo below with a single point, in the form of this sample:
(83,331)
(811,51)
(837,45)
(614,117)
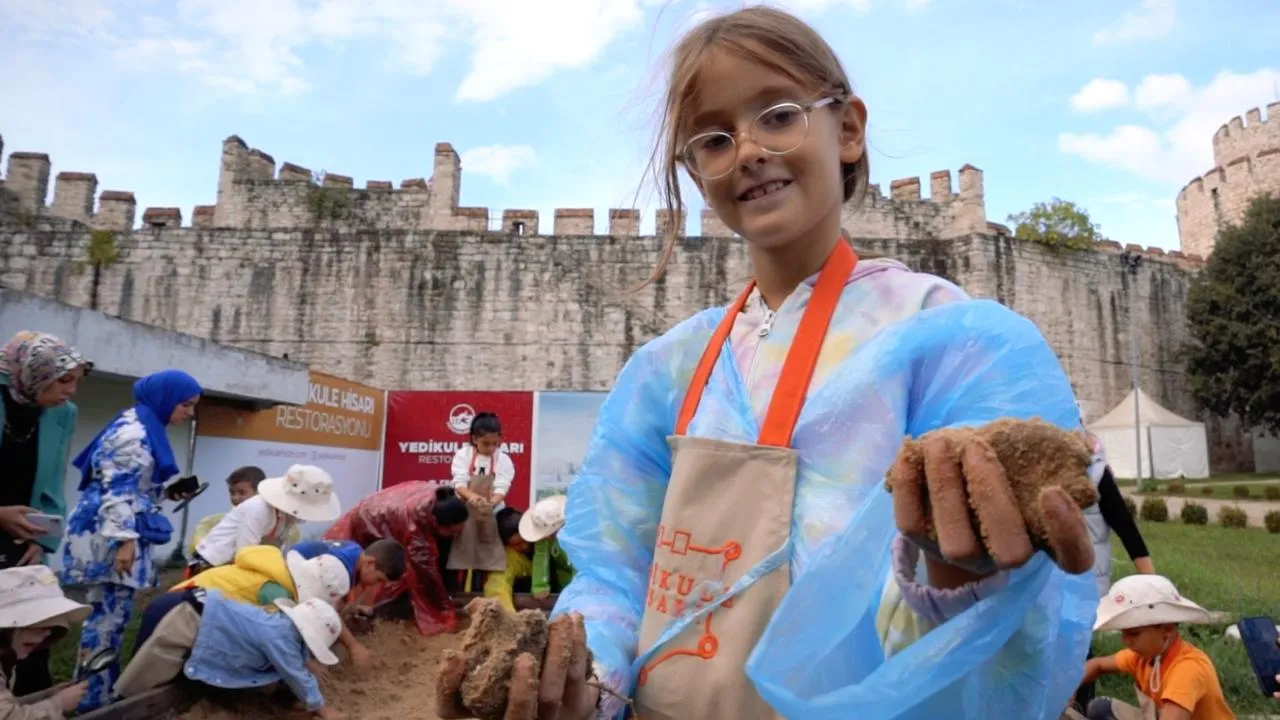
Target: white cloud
(1100,94)
(1153,19)
(497,162)
(259,46)
(1163,92)
(1181,148)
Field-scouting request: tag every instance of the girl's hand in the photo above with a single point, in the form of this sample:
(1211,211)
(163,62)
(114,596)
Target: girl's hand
(985,499)
(564,691)
(69,698)
(125,557)
(14,523)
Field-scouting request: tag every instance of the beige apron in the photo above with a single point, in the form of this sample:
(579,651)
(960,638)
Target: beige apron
(478,547)
(723,545)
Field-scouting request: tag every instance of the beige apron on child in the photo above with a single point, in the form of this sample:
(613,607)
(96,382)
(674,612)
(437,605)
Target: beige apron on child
(727,511)
(479,547)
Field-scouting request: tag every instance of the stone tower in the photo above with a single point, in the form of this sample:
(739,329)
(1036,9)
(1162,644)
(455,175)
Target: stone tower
(1246,156)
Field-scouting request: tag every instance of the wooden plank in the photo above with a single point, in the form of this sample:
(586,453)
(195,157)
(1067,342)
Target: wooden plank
(163,703)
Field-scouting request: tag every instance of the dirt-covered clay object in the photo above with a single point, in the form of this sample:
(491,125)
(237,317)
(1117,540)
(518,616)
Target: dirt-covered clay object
(987,497)
(497,673)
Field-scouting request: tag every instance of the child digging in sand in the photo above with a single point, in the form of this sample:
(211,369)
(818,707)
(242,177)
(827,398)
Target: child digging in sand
(34,614)
(1174,679)
(242,484)
(232,645)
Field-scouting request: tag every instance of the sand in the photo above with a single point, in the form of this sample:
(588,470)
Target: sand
(399,685)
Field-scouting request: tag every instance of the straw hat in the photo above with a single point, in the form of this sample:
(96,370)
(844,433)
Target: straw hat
(1143,600)
(543,520)
(305,492)
(323,577)
(318,623)
(31,597)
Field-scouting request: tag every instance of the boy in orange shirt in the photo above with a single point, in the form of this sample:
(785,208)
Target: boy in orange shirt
(1175,679)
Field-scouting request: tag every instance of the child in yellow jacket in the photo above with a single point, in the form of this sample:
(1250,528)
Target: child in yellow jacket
(519,572)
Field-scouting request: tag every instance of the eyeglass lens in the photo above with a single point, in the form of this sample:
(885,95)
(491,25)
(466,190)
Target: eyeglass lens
(778,130)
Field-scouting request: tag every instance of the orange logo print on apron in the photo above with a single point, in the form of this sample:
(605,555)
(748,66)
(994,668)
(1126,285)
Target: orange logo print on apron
(720,565)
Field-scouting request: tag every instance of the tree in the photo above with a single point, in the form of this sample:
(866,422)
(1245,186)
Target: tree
(1059,225)
(1233,308)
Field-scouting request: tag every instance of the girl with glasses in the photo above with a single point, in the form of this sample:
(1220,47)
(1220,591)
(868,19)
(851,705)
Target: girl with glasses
(737,553)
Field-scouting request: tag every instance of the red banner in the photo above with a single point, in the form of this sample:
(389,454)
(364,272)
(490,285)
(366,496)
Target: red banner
(425,429)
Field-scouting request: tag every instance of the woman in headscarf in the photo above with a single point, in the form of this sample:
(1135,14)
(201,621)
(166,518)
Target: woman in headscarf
(38,375)
(117,520)
(424,518)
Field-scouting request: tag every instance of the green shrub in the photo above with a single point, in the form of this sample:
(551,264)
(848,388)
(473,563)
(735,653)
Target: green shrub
(1240,491)
(1150,488)
(1176,488)
(1271,492)
(1272,521)
(1207,491)
(1131,506)
(1232,517)
(1155,510)
(1195,514)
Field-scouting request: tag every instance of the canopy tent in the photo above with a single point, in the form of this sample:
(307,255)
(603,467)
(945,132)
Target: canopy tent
(1172,446)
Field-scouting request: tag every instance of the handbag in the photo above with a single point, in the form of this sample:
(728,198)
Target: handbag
(153,528)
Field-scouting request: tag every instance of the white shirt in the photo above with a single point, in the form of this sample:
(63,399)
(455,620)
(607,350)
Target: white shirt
(504,474)
(249,523)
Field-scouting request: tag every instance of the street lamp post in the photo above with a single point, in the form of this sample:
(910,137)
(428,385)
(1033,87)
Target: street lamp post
(1130,262)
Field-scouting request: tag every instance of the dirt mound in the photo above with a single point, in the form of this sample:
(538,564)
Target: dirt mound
(399,684)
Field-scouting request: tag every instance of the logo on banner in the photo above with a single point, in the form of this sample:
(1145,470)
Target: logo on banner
(460,418)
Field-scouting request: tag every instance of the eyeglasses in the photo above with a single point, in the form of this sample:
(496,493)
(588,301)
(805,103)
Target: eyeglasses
(778,130)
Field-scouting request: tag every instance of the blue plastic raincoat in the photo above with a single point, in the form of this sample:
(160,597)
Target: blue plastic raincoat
(895,363)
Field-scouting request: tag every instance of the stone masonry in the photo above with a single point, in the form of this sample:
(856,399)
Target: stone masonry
(404,288)
(1246,156)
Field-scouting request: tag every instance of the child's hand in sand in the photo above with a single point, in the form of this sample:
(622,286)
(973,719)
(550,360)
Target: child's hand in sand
(327,713)
(986,498)
(517,667)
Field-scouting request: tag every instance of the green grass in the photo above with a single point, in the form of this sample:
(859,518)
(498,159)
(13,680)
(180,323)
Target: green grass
(1224,478)
(1234,571)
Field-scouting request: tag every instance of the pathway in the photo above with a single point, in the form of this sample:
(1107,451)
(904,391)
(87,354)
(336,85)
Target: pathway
(1255,509)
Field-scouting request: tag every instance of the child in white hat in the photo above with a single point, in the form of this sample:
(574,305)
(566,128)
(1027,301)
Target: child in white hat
(303,494)
(229,644)
(34,614)
(539,527)
(1174,678)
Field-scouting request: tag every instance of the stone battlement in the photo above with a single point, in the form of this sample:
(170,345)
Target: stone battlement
(26,186)
(1248,135)
(1247,153)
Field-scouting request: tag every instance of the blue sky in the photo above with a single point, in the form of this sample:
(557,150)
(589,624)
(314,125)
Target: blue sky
(1110,104)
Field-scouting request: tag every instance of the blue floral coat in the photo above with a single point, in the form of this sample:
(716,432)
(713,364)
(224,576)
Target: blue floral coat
(104,515)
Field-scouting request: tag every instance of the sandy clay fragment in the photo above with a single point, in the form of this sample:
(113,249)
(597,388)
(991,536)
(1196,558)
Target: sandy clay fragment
(988,496)
(496,674)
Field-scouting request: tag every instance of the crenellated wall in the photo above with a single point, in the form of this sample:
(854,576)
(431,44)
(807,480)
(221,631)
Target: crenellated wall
(1246,153)
(405,288)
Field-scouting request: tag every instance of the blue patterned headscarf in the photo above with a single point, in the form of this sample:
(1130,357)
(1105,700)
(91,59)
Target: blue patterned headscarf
(156,396)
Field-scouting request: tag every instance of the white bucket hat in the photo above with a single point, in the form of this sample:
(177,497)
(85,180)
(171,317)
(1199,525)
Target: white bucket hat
(318,623)
(323,577)
(305,492)
(31,597)
(1143,600)
(543,519)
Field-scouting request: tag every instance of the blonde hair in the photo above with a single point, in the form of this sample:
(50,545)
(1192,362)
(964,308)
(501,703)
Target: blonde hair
(772,38)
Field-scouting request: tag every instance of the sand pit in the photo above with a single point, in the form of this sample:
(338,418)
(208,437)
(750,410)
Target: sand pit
(400,684)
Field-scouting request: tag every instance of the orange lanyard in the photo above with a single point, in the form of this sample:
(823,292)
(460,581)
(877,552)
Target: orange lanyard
(802,357)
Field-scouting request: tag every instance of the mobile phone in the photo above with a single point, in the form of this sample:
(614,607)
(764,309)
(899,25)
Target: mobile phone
(1259,637)
(181,486)
(194,495)
(49,524)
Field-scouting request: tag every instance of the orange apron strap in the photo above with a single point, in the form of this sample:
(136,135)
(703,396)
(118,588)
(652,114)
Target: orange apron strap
(708,361)
(802,357)
(797,370)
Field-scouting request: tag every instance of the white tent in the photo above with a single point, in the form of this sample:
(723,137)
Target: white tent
(1172,446)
